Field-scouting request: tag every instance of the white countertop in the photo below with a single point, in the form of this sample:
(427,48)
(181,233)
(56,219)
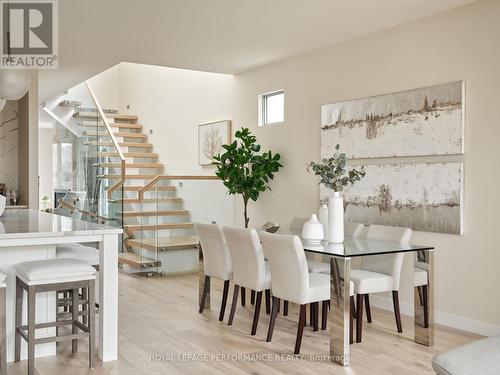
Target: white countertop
(22,223)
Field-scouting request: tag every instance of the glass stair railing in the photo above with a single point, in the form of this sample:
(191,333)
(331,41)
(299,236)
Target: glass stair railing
(160,228)
(114,177)
(85,153)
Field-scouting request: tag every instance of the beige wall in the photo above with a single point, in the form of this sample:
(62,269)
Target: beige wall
(462,44)
(173,102)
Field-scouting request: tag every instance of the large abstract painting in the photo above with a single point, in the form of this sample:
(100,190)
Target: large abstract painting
(425,121)
(211,137)
(422,196)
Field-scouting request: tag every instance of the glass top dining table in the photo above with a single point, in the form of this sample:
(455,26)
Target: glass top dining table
(358,247)
(340,256)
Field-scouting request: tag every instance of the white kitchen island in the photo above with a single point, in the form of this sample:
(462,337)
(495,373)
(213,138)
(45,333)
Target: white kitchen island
(27,235)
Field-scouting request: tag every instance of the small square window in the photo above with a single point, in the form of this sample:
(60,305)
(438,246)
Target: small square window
(272,108)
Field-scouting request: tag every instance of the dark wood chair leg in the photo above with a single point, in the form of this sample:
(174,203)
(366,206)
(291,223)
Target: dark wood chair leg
(324,314)
(353,307)
(258,302)
(285,308)
(420,297)
(300,328)
(426,306)
(252,297)
(268,301)
(225,292)
(359,317)
(274,313)
(206,289)
(243,296)
(311,314)
(233,305)
(397,314)
(316,316)
(368,309)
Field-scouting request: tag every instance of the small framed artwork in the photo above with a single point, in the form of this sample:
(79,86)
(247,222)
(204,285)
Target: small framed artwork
(211,137)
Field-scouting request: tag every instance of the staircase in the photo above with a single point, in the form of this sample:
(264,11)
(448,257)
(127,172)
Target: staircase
(151,213)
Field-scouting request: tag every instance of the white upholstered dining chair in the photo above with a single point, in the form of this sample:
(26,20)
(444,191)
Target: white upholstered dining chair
(216,261)
(379,273)
(291,280)
(249,268)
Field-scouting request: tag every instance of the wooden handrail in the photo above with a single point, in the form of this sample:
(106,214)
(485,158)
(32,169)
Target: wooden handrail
(113,140)
(113,188)
(107,126)
(69,206)
(151,183)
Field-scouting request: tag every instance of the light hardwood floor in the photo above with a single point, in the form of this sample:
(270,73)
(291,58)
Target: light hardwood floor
(160,316)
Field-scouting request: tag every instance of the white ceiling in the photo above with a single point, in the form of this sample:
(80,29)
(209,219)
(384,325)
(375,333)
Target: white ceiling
(227,36)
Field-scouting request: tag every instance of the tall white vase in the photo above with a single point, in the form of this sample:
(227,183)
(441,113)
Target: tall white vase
(336,219)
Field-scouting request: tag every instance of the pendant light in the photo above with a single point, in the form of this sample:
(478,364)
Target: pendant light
(14,84)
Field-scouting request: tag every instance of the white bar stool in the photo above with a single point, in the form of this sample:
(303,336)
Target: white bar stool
(87,254)
(54,275)
(3,336)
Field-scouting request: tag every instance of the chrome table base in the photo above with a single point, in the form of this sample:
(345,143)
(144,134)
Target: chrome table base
(424,302)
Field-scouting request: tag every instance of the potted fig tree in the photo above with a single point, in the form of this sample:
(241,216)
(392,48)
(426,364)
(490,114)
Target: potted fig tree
(244,170)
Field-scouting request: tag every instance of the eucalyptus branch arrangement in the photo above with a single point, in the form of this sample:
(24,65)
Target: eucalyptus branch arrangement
(243,170)
(333,172)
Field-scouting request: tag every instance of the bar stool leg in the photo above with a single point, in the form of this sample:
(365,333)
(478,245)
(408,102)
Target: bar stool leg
(91,323)
(74,310)
(19,320)
(3,338)
(85,306)
(31,329)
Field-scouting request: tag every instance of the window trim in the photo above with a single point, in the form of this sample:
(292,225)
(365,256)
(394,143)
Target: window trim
(263,107)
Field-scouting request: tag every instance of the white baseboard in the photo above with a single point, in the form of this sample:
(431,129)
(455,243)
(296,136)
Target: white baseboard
(449,320)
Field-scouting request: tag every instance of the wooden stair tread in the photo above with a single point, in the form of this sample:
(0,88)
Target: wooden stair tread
(130,154)
(135,260)
(150,200)
(137,188)
(153,213)
(131,165)
(137,227)
(123,135)
(123,144)
(165,243)
(115,116)
(112,124)
(130,176)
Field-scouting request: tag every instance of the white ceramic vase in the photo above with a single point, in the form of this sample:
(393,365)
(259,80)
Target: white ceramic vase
(335,219)
(3,202)
(323,218)
(313,231)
